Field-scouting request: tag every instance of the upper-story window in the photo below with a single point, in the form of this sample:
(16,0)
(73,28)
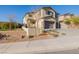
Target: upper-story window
(49,13)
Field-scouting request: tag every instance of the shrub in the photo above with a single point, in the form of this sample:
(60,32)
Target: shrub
(74,20)
(67,21)
(4,27)
(7,25)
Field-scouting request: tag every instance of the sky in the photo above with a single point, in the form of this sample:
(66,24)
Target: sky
(19,10)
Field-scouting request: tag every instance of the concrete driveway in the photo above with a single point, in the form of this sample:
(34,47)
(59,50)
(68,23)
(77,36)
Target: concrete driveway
(64,42)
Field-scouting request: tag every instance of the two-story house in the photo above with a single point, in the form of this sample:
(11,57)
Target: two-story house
(41,20)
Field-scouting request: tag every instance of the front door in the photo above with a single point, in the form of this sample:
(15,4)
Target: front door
(48,24)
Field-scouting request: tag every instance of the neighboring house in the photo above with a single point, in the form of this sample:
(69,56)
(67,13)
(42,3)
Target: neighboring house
(64,17)
(41,20)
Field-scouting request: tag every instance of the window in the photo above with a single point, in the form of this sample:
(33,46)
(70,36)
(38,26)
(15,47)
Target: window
(49,13)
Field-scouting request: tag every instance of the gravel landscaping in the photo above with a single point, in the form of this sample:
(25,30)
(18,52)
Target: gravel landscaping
(20,35)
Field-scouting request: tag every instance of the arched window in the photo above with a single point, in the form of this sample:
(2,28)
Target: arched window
(49,13)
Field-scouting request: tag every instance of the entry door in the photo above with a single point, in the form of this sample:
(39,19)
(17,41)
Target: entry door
(48,24)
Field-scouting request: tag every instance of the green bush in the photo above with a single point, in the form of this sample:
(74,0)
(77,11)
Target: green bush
(6,25)
(14,26)
(67,21)
(74,20)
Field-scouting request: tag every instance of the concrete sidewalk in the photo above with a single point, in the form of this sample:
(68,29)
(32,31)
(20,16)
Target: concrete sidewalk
(60,43)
